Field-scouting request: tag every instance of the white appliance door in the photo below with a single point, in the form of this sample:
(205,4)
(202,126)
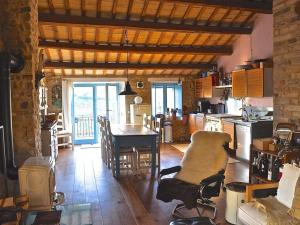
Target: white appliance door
(243,135)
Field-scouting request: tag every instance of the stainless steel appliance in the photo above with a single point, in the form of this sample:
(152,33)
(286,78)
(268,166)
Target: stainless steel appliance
(243,136)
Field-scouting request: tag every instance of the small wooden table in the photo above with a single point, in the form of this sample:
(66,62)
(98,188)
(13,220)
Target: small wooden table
(133,136)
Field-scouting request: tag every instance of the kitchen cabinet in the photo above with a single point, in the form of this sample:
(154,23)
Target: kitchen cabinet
(228,127)
(199,122)
(252,83)
(204,87)
(239,84)
(192,123)
(196,122)
(198,88)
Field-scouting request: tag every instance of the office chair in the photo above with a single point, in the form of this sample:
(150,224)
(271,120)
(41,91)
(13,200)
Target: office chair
(200,176)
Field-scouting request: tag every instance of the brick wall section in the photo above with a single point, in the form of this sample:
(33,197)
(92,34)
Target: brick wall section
(19,34)
(286,61)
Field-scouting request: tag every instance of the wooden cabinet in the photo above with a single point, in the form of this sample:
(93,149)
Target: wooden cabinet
(252,83)
(198,88)
(228,128)
(192,123)
(207,87)
(203,87)
(196,122)
(239,84)
(255,85)
(200,122)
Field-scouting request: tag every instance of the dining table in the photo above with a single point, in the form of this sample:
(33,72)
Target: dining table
(128,136)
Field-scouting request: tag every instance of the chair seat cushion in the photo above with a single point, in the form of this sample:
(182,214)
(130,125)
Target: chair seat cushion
(248,214)
(170,188)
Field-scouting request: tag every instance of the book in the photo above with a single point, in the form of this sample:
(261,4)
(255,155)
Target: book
(48,218)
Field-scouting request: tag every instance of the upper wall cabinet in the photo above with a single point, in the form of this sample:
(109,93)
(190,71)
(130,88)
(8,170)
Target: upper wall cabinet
(252,83)
(239,84)
(204,87)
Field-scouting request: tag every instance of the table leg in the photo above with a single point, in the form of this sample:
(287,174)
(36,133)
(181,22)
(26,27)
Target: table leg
(117,157)
(153,150)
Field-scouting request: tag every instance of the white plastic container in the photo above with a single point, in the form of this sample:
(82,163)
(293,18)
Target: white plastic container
(235,196)
(37,181)
(168,135)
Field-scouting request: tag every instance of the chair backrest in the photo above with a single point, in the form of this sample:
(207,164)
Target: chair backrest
(109,142)
(158,129)
(145,116)
(204,157)
(287,184)
(60,122)
(149,122)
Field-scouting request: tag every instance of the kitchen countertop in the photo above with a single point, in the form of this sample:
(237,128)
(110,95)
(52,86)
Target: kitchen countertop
(246,123)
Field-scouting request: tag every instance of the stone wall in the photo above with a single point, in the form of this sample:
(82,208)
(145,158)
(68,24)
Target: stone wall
(286,61)
(19,35)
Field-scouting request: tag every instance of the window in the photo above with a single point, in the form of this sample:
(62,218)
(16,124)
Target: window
(166,96)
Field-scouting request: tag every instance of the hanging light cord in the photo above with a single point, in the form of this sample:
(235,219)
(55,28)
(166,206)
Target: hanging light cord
(127,53)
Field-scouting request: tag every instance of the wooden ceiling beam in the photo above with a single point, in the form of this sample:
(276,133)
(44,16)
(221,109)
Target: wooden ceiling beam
(245,5)
(55,19)
(91,66)
(203,50)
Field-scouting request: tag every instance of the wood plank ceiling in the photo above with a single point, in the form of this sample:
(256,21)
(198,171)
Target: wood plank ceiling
(180,37)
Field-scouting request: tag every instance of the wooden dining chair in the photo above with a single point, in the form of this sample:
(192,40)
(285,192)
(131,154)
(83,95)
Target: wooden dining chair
(104,155)
(144,154)
(64,137)
(127,155)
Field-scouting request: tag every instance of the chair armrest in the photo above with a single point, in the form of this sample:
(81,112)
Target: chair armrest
(214,178)
(170,170)
(250,188)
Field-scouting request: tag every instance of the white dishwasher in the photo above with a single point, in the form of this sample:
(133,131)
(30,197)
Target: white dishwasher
(243,136)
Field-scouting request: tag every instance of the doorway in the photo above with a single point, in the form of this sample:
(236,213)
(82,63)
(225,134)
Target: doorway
(91,100)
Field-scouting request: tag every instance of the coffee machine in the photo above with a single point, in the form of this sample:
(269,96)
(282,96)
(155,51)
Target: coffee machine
(203,106)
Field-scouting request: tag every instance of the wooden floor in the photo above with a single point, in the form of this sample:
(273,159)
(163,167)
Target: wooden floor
(130,200)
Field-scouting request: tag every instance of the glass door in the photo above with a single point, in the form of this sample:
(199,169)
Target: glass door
(83,114)
(91,101)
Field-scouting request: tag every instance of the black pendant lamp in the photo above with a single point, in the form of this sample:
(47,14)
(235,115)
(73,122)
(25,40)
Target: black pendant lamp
(128,90)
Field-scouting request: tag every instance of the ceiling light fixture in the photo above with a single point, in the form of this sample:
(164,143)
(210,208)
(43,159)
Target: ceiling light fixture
(128,90)
(179,82)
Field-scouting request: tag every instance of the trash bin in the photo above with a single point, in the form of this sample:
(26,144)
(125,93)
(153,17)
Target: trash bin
(168,132)
(235,196)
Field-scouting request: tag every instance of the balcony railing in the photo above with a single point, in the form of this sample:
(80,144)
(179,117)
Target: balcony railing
(84,127)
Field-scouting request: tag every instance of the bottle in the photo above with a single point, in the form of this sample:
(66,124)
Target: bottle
(269,175)
(265,166)
(275,169)
(254,165)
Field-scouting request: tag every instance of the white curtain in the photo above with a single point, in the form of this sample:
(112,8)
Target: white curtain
(67,93)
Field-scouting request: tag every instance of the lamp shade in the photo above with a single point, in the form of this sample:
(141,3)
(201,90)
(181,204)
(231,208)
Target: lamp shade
(128,90)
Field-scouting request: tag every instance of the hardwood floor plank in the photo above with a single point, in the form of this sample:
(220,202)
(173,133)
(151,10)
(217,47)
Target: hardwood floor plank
(131,200)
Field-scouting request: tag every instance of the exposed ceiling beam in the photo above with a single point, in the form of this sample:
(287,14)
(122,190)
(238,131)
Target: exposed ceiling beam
(73,65)
(203,50)
(253,6)
(55,19)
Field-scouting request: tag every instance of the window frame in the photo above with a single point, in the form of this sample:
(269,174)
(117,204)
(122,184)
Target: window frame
(177,97)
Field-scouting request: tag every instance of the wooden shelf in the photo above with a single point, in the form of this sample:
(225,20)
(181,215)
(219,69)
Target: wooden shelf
(260,178)
(223,86)
(268,152)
